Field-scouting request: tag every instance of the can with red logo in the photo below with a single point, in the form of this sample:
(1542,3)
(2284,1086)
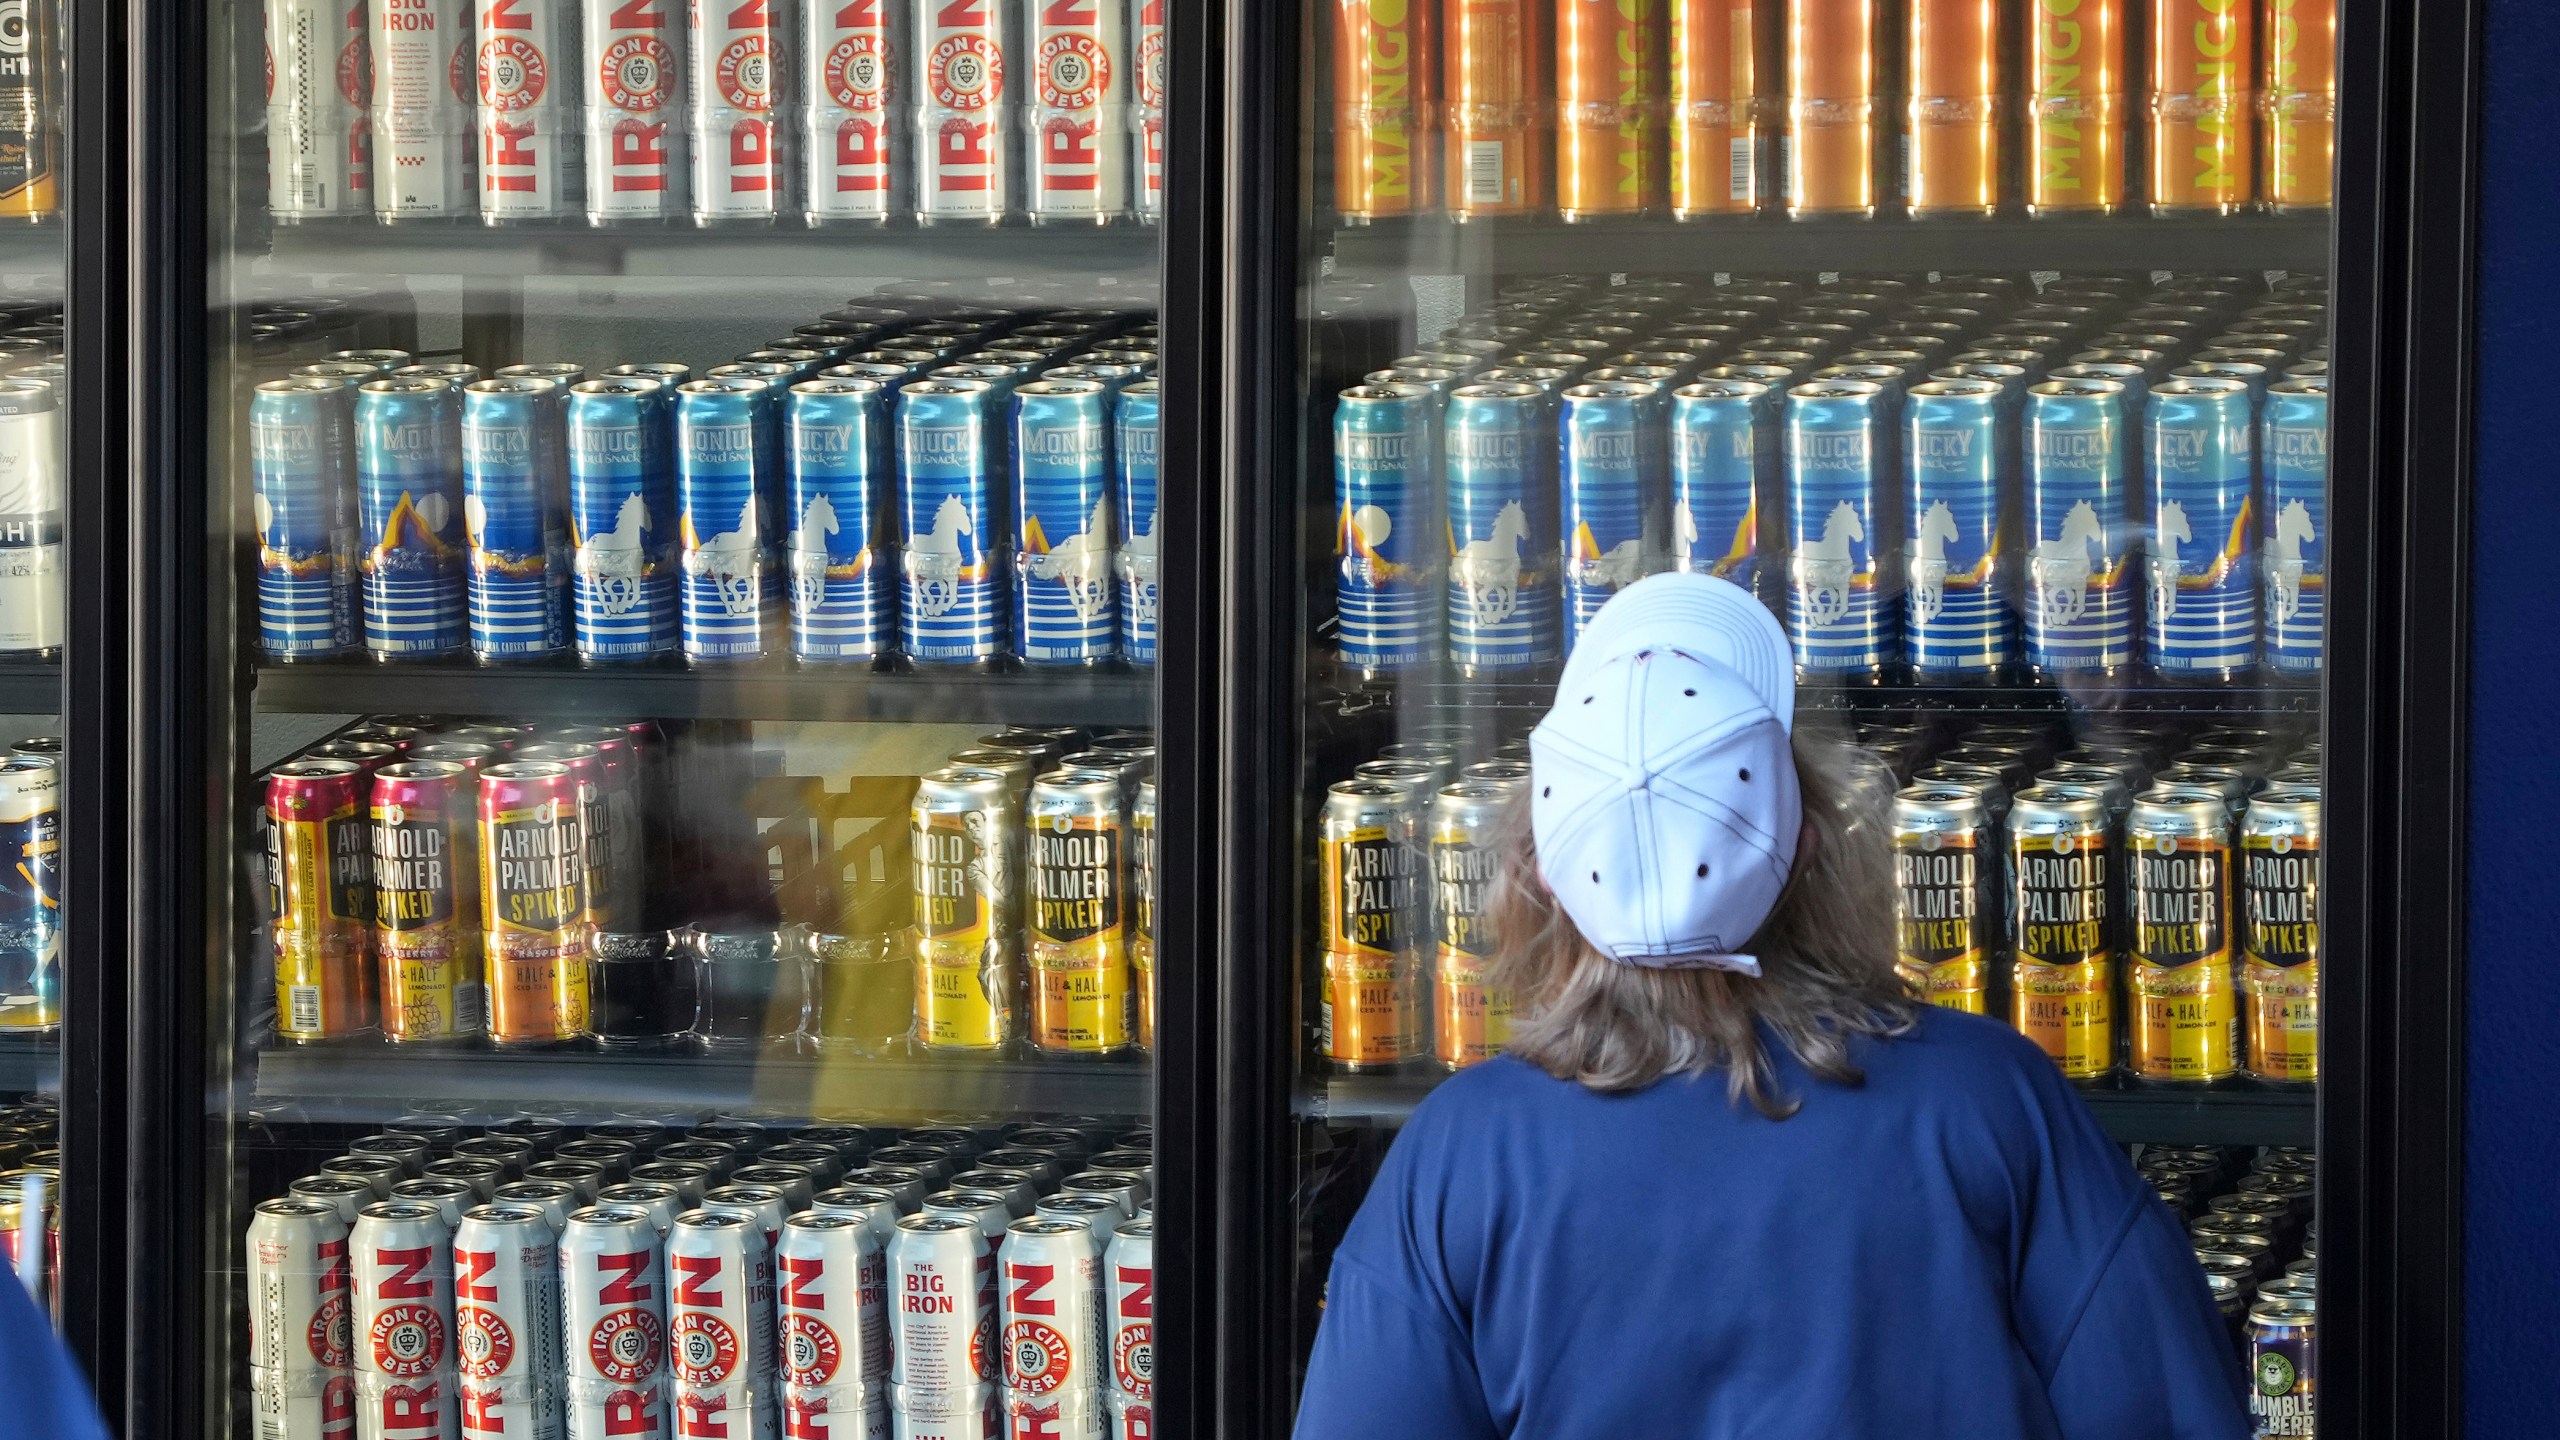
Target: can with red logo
(720,1331)
(832,1301)
(320,890)
(528,72)
(319,84)
(613,1273)
(1077,118)
(854,111)
(422,110)
(533,903)
(635,139)
(1052,1342)
(1129,1279)
(941,1328)
(611,889)
(738,171)
(426,920)
(403,1338)
(1151,68)
(964,113)
(301,1381)
(506,1314)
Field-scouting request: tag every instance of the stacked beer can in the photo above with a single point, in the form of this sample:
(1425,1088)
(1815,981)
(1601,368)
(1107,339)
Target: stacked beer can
(741,1277)
(622,113)
(908,478)
(31,889)
(1961,479)
(30,1193)
(2249,1215)
(34,459)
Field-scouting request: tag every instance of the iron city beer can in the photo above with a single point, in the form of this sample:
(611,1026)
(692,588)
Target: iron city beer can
(2279,890)
(426,901)
(613,1277)
(1077,914)
(506,1316)
(423,121)
(720,1324)
(320,892)
(831,1303)
(737,52)
(30,895)
(403,1323)
(529,105)
(637,132)
(301,1375)
(536,929)
(942,1321)
(1055,1333)
(854,99)
(1129,1280)
(1369,852)
(965,842)
(2182,976)
(966,72)
(1472,1016)
(1076,112)
(1946,899)
(319,83)
(1152,64)
(2061,876)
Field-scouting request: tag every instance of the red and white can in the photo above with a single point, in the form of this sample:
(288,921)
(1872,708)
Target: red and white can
(613,1278)
(301,1377)
(1077,115)
(832,1304)
(528,74)
(423,120)
(873,1205)
(663,1201)
(942,1333)
(720,1325)
(964,112)
(1052,1340)
(910,1422)
(636,138)
(852,117)
(403,1337)
(506,1320)
(1153,61)
(760,1203)
(1124,1188)
(739,49)
(1129,1291)
(319,89)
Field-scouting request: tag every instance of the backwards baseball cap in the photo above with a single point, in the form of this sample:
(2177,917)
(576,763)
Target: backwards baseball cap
(1663,789)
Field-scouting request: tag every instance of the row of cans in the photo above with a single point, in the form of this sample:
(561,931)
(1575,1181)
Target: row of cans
(715,112)
(954,492)
(2155,915)
(606,1292)
(2260,1251)
(34,439)
(1961,477)
(1937,108)
(31,887)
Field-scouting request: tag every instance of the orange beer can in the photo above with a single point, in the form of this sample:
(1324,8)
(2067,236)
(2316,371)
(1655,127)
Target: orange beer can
(2202,157)
(1493,100)
(1386,70)
(1612,72)
(1952,59)
(1716,117)
(2075,102)
(1369,986)
(2298,103)
(1835,78)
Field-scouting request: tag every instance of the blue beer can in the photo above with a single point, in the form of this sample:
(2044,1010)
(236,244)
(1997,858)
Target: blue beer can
(2252,375)
(2294,438)
(1724,459)
(508,453)
(1502,531)
(2079,528)
(1956,612)
(30,895)
(951,521)
(720,537)
(799,363)
(455,373)
(2203,558)
(1609,449)
(887,377)
(771,481)
(842,607)
(1134,455)
(1385,594)
(382,361)
(409,499)
(1115,378)
(668,373)
(1066,590)
(1842,512)
(621,500)
(302,474)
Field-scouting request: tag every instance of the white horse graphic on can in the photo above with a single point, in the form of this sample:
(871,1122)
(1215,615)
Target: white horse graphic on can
(1082,562)
(728,561)
(1929,559)
(1138,571)
(933,562)
(1826,572)
(2169,529)
(2293,530)
(1488,570)
(2062,567)
(613,561)
(809,553)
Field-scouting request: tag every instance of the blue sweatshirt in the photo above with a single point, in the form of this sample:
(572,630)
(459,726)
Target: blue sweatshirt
(1953,1249)
(41,1388)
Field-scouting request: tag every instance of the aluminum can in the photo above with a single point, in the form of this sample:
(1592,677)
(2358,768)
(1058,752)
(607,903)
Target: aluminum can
(637,134)
(1493,91)
(534,909)
(403,1323)
(605,857)
(344,1194)
(1843,505)
(966,69)
(2201,97)
(613,1279)
(1386,120)
(2077,109)
(1129,1316)
(943,1325)
(302,470)
(1612,77)
(301,1381)
(31,895)
(2061,865)
(319,136)
(1370,851)
(669,373)
(422,113)
(1724,458)
(1055,1334)
(2298,103)
(554,1198)
(1472,1017)
(966,845)
(1383,485)
(736,59)
(2284,1367)
(2294,441)
(854,110)
(409,500)
(1142,926)
(483,1176)
(512,443)
(426,901)
(31,116)
(1152,61)
(2182,977)
(379,1171)
(688,1178)
(1135,422)
(720,1321)
(719,523)
(1611,453)
(1956,96)
(1959,457)
(841,605)
(662,1200)
(2279,890)
(953,529)
(530,106)
(320,891)
(2203,561)
(1077,115)
(1946,899)
(1717,111)
(1503,550)
(1838,66)
(2079,612)
(453,372)
(507,1324)
(1065,589)
(621,492)
(833,1316)
(1077,915)
(32,501)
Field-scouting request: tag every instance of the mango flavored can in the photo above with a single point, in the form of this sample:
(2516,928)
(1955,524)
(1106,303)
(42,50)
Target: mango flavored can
(1493,84)
(2203,161)
(2076,115)
(1612,75)
(1386,113)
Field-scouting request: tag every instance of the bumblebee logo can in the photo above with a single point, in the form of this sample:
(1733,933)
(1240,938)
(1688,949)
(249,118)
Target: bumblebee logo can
(2063,993)
(1078,919)
(1943,905)
(1473,1018)
(2186,1014)
(2279,885)
(426,921)
(30,895)
(321,885)
(1368,1010)
(2283,1368)
(963,845)
(533,902)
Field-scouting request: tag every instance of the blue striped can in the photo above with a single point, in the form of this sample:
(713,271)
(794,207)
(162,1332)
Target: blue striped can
(508,454)
(720,537)
(1724,460)
(1956,614)
(621,500)
(2254,376)
(669,373)
(800,363)
(1114,377)
(1842,512)
(1066,591)
(1609,452)
(1385,593)
(409,499)
(2294,438)
(1502,531)
(2079,528)
(770,479)
(303,482)
(842,607)
(889,377)
(952,529)
(2203,556)
(1135,455)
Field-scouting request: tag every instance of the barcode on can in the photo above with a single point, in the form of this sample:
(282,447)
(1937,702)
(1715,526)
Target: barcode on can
(270,1428)
(1786,169)
(1484,173)
(467,1005)
(303,1003)
(1739,184)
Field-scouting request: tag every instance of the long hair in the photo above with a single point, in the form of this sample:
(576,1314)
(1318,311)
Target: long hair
(1825,952)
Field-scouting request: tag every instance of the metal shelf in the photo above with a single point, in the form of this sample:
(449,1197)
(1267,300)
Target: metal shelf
(2132,696)
(30,687)
(781,251)
(1435,246)
(774,691)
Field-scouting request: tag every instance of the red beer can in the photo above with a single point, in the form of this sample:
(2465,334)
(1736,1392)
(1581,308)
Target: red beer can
(301,1384)
(320,890)
(403,1335)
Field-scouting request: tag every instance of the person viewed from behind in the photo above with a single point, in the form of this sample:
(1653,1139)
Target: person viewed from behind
(42,1392)
(1730,1181)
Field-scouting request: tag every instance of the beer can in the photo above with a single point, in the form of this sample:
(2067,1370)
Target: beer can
(2298,104)
(720,1319)
(319,86)
(2181,976)
(943,1327)
(32,488)
(1493,93)
(320,891)
(735,59)
(1724,460)
(2294,439)
(1838,68)
(534,904)
(637,136)
(1716,109)
(302,474)
(31,115)
(1503,549)
(301,1357)
(840,564)
(2283,1367)
(1142,927)
(663,1200)
(613,1279)
(854,102)
(1386,111)
(1473,1017)
(719,522)
(2279,887)
(1066,599)
(875,1205)
(426,901)
(403,1321)
(31,895)
(2203,562)
(1611,452)
(409,501)
(1370,852)
(954,533)
(1612,76)
(482,1176)
(1383,485)
(1151,75)
(1956,614)
(380,1172)
(1956,93)
(2079,612)
(965,115)
(2201,96)
(422,113)
(1055,1329)
(690,1179)
(513,445)
(621,495)
(1129,1272)
(530,102)
(1076,113)
(833,1317)
(2060,869)
(1133,455)
(1843,506)
(965,843)
(1946,896)
(2077,111)
(1077,920)
(507,1324)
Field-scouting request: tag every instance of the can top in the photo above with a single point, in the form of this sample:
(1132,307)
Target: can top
(1041,1225)
(1835,390)
(921,1223)
(1481,389)
(840,385)
(2056,804)
(827,1219)
(2076,385)
(721,384)
(1144,1224)
(342,372)
(290,385)
(942,386)
(615,385)
(419,770)
(1958,389)
(524,770)
(315,769)
(2200,380)
(403,1210)
(701,1219)
(1931,806)
(2290,385)
(1611,390)
(1053,386)
(398,384)
(501,1212)
(296,1205)
(653,369)
(512,385)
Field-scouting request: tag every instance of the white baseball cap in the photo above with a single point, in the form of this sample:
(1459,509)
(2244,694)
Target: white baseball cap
(1663,789)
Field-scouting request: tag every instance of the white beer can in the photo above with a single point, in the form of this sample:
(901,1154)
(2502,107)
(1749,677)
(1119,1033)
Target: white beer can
(301,1382)
(740,51)
(403,1340)
(1129,1289)
(528,73)
(1052,1341)
(613,1286)
(854,138)
(964,112)
(506,1316)
(423,116)
(319,85)
(720,1326)
(636,126)
(1076,115)
(31,516)
(1152,63)
(833,1303)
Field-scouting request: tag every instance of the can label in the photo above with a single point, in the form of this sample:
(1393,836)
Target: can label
(30,111)
(1369,1009)
(30,910)
(319,80)
(1494,79)
(2204,555)
(513,604)
(423,124)
(1383,111)
(428,942)
(2296,552)
(1371,882)
(2075,106)
(306,514)
(1472,1019)
(324,889)
(1151,106)
(1938,918)
(1502,550)
(950,610)
(2280,943)
(2283,1377)
(853,85)
(961,883)
(1838,610)
(1079,941)
(737,172)
(963,116)
(32,498)
(1605,484)
(1065,588)
(525,97)
(2201,158)
(1078,164)
(413,567)
(623,577)
(2065,983)
(1381,479)
(2187,1024)
(2079,596)
(635,134)
(534,905)
(1136,457)
(1718,449)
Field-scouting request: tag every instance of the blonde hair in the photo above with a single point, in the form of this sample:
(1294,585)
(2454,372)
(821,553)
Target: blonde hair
(1825,952)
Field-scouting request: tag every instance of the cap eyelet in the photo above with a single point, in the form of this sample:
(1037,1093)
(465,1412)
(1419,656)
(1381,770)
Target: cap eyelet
(1587,699)
(1746,774)
(1692,694)
(1702,872)
(1547,792)
(1595,877)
